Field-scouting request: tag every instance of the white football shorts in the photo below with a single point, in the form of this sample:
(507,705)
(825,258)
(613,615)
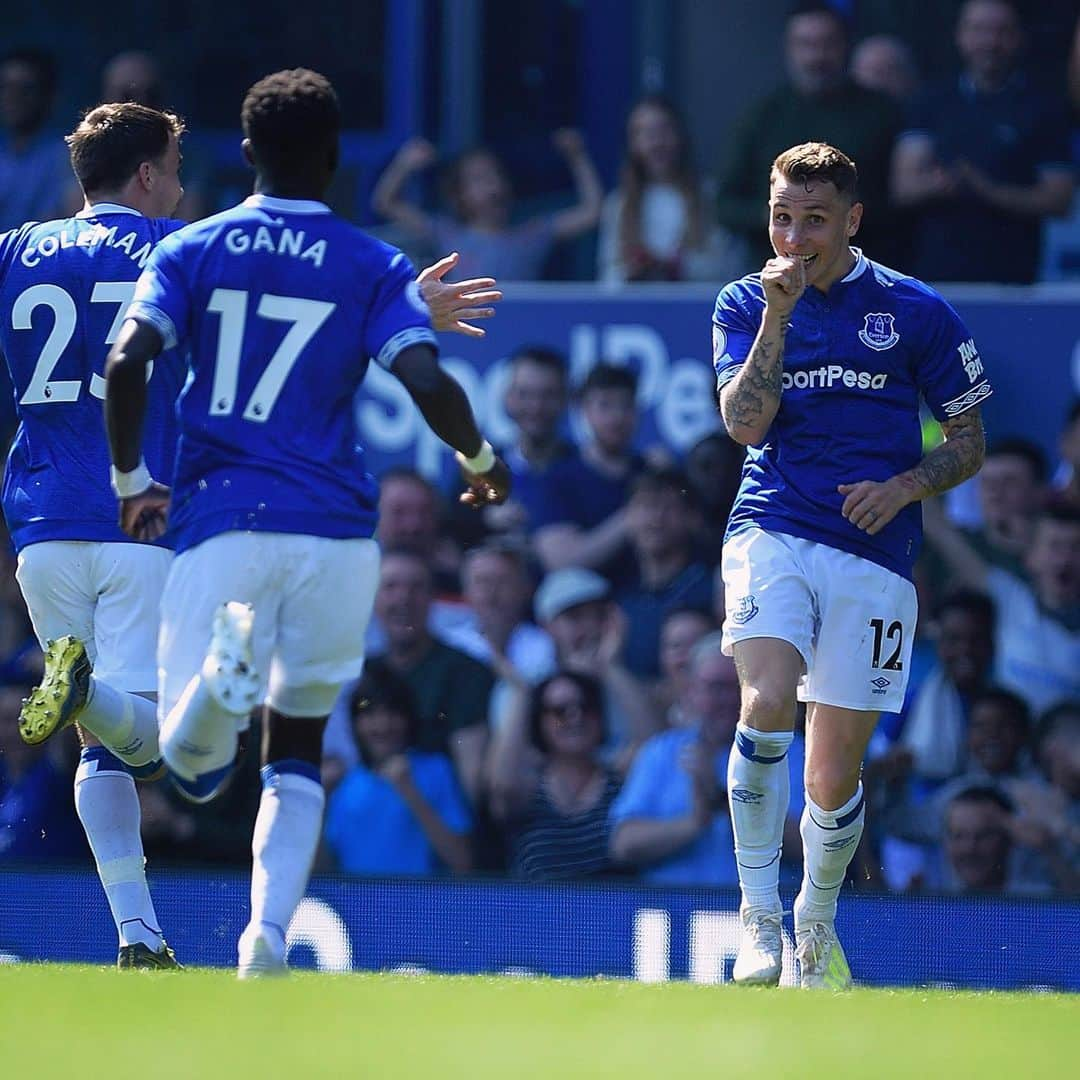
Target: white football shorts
(312,598)
(107,595)
(852,620)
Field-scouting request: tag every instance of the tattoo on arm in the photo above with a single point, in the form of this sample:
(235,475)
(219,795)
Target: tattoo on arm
(749,402)
(957,459)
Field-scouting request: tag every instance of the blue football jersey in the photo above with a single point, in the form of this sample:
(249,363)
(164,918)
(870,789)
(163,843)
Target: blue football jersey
(64,288)
(280,305)
(857,360)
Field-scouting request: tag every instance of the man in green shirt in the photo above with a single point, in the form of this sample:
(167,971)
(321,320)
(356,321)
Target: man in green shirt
(450,688)
(818,102)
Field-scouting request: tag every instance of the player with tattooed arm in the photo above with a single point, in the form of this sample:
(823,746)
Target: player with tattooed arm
(821,361)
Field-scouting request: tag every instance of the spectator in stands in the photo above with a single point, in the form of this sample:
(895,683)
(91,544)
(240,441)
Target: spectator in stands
(1066,485)
(1038,628)
(818,101)
(479,193)
(574,606)
(977,846)
(659,223)
(714,471)
(451,689)
(985,157)
(1012,491)
(136,76)
(884,63)
(681,630)
(662,520)
(588,520)
(1048,820)
(410,519)
(400,810)
(671,818)
(535,402)
(37,815)
(933,725)
(550,789)
(36,181)
(496,628)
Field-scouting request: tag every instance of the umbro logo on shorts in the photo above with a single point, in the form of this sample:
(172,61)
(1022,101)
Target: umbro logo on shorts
(879,684)
(746,610)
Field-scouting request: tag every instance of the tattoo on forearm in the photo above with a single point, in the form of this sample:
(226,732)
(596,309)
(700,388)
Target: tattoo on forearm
(957,459)
(754,394)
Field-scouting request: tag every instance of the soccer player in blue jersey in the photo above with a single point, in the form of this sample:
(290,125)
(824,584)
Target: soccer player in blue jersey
(821,361)
(91,593)
(280,304)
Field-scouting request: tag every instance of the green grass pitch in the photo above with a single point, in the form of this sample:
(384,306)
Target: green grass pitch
(82,1022)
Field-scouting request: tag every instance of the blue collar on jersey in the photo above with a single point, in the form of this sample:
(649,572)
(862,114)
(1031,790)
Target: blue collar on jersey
(97,209)
(286,206)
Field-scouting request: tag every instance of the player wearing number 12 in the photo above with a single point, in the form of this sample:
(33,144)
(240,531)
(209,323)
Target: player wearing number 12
(821,361)
(280,305)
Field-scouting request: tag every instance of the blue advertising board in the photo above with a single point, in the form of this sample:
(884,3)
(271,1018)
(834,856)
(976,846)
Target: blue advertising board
(1029,340)
(611,929)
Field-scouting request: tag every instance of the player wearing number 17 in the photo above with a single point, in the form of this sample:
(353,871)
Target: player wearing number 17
(280,305)
(821,361)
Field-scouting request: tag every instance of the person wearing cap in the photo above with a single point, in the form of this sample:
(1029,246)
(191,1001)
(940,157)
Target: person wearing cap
(575,607)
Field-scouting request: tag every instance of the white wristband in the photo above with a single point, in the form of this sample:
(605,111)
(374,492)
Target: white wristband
(481,462)
(127,485)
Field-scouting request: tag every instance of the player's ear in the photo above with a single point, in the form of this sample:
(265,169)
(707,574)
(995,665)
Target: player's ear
(146,175)
(854,218)
(245,149)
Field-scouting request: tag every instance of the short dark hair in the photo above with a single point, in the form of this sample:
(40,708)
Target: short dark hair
(984,793)
(971,601)
(541,355)
(818,161)
(817,7)
(605,376)
(1019,447)
(410,475)
(43,63)
(688,609)
(113,140)
(1061,513)
(1012,703)
(290,117)
(592,697)
(657,479)
(382,687)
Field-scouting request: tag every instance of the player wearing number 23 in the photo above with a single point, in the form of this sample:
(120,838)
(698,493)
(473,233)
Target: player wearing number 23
(821,362)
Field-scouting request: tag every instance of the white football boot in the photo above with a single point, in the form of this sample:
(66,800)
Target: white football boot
(761,948)
(821,959)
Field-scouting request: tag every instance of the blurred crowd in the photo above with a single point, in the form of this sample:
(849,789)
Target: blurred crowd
(967,174)
(546,695)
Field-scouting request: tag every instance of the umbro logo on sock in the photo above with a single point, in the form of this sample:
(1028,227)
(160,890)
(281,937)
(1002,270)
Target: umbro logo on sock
(745,795)
(838,845)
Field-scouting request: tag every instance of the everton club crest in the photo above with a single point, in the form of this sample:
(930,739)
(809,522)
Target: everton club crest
(878,332)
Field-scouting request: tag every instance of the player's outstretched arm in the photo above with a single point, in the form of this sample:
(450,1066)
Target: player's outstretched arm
(456,304)
(443,404)
(870,505)
(143,503)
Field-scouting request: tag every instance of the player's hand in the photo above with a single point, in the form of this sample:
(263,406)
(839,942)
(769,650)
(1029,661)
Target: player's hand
(487,488)
(784,281)
(416,154)
(454,304)
(146,516)
(870,505)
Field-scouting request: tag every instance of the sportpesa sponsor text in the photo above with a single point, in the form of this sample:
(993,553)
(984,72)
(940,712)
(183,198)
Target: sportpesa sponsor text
(828,375)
